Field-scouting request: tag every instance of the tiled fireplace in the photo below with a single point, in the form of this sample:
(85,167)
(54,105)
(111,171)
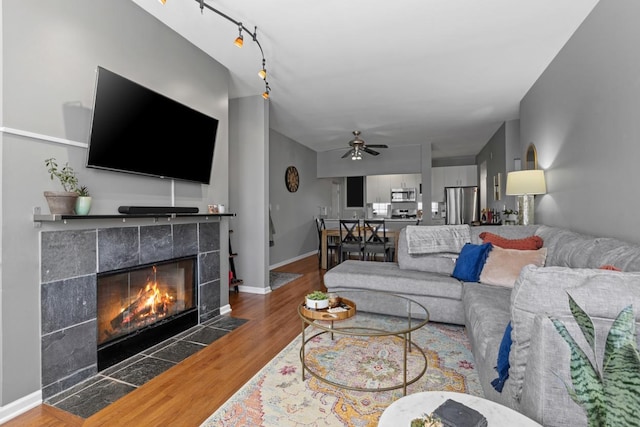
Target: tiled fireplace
(78,265)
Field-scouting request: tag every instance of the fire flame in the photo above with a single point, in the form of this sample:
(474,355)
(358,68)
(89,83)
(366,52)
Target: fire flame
(149,301)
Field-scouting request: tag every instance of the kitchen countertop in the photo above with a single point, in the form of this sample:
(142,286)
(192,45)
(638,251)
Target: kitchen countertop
(386,219)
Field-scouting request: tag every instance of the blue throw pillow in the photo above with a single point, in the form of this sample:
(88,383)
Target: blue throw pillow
(470,262)
(503,360)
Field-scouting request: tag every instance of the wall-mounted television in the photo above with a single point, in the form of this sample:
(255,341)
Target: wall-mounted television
(137,130)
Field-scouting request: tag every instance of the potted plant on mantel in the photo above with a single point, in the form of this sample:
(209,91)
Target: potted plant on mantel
(83,202)
(63,202)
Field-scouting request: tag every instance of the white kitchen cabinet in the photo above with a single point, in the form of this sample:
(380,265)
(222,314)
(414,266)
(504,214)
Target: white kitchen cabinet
(379,186)
(410,180)
(451,176)
(458,176)
(378,189)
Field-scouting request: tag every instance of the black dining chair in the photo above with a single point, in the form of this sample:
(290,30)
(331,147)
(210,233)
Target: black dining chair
(350,239)
(332,245)
(375,239)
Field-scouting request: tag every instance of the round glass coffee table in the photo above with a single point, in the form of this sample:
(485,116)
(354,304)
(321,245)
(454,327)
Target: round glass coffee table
(368,318)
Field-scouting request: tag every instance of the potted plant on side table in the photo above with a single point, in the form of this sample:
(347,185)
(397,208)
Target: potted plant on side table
(317,300)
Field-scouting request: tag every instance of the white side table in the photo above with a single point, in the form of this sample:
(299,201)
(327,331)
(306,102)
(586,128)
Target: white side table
(402,411)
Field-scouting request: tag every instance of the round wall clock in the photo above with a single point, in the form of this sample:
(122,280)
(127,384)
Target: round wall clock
(291,179)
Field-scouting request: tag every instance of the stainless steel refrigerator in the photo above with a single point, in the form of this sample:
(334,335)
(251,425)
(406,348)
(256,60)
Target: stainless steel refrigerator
(462,204)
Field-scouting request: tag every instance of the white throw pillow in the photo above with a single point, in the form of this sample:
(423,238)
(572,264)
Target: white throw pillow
(503,265)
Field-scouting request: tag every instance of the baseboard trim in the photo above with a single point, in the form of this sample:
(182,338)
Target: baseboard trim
(20,406)
(254,290)
(225,309)
(289,261)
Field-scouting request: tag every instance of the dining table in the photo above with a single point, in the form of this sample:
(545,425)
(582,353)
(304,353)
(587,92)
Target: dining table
(329,233)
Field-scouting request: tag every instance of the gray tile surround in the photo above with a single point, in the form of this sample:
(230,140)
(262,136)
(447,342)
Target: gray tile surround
(104,388)
(69,279)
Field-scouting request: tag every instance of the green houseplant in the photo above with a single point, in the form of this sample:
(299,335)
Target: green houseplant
(609,396)
(62,202)
(83,202)
(317,300)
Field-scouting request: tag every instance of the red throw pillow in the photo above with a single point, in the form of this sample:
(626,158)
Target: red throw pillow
(526,244)
(610,267)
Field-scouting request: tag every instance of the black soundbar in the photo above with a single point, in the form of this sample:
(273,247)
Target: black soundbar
(131,210)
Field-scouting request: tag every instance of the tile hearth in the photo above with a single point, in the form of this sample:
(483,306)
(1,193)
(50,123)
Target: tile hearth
(109,385)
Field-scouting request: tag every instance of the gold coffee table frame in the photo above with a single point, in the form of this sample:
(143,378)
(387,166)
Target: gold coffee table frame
(314,317)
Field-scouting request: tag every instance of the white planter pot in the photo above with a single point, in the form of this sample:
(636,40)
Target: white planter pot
(317,304)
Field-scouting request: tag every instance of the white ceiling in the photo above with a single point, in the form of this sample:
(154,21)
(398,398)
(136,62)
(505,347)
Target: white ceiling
(445,72)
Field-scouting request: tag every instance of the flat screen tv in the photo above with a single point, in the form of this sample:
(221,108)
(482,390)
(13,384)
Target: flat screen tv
(137,130)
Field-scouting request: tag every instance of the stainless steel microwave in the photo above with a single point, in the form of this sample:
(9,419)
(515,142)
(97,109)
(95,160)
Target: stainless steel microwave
(403,195)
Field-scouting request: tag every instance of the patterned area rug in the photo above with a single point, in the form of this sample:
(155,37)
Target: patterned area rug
(278,279)
(277,395)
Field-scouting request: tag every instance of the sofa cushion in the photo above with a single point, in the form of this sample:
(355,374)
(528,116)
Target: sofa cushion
(470,262)
(503,265)
(442,263)
(506,231)
(601,293)
(526,243)
(486,315)
(386,276)
(570,249)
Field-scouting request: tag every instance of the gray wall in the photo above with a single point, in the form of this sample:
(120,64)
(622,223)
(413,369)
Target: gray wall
(50,52)
(249,186)
(499,153)
(582,115)
(293,213)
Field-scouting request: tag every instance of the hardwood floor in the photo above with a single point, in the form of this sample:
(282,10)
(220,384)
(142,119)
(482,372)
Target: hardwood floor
(187,394)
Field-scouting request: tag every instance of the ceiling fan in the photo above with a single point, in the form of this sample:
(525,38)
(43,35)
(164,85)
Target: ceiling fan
(358,146)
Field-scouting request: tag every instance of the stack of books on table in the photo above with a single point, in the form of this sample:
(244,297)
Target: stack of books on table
(455,414)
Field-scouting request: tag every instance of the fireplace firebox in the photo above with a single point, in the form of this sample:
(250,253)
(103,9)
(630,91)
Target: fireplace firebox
(142,306)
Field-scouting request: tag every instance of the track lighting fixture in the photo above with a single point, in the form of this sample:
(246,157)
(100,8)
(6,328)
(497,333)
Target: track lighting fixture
(239,41)
(263,73)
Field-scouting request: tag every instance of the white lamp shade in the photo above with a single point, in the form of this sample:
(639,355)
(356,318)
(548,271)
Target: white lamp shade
(526,182)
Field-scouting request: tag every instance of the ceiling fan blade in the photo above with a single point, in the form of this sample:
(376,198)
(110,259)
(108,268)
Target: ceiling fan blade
(372,152)
(377,146)
(347,154)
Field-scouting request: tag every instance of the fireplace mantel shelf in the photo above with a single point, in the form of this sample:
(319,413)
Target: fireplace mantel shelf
(38,218)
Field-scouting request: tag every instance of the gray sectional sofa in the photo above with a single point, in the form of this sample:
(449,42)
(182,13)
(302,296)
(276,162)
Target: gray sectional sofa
(538,358)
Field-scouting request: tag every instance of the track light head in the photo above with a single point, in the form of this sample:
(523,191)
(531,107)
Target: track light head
(163,1)
(267,89)
(239,41)
(263,72)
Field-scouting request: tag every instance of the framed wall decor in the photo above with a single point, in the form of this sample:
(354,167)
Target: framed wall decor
(292,179)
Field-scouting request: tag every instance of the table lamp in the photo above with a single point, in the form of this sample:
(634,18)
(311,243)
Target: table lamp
(525,184)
